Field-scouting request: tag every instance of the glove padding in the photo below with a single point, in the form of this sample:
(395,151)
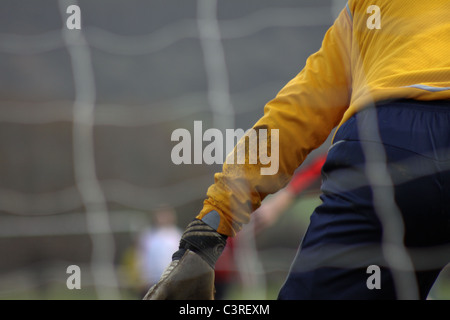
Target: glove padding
(189,278)
(190,275)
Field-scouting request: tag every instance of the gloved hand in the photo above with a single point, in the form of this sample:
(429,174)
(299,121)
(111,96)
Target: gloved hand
(190,275)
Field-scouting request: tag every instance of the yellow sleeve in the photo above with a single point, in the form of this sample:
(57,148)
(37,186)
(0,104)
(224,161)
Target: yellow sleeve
(305,112)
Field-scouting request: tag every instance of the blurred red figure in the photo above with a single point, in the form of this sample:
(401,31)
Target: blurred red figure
(271,209)
(226,271)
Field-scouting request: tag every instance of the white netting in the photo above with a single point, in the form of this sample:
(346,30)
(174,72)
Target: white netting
(103,101)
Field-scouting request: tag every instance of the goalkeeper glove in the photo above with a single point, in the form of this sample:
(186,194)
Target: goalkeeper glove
(190,275)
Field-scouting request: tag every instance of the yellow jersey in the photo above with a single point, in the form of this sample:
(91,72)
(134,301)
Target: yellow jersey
(375,50)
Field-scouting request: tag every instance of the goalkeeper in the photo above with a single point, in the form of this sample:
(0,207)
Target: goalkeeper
(381,62)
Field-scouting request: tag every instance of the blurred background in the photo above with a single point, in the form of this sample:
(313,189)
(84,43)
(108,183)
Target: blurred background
(86,118)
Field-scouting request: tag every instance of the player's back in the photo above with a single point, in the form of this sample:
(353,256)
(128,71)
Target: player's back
(400,45)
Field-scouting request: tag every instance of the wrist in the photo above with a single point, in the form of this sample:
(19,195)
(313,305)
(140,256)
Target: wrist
(203,240)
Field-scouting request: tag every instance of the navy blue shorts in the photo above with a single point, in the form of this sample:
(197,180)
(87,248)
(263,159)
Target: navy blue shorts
(345,233)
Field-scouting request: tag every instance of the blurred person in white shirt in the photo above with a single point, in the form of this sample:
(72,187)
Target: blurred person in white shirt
(157,243)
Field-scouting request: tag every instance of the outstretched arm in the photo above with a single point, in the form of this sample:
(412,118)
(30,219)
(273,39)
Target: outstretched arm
(304,112)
